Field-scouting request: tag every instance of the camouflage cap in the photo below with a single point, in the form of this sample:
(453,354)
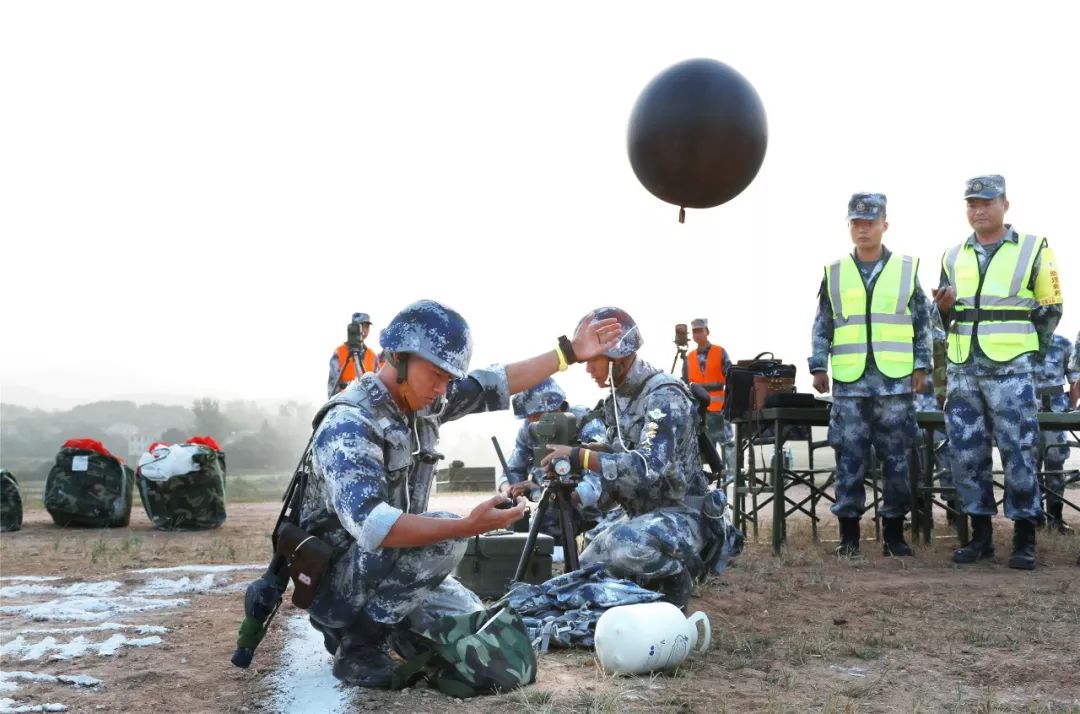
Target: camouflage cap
(433,331)
(990,186)
(361,318)
(866,206)
(547,396)
(699,323)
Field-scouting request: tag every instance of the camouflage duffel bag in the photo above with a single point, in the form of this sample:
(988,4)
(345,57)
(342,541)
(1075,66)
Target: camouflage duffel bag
(87,488)
(483,652)
(10,503)
(191,501)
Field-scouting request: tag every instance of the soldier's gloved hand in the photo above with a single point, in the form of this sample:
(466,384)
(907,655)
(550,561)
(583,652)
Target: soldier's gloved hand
(595,338)
(821,382)
(488,517)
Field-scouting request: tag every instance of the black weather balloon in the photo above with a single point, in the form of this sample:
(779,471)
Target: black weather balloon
(697,134)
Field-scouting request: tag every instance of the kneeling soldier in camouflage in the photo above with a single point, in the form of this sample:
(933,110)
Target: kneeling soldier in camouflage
(373,459)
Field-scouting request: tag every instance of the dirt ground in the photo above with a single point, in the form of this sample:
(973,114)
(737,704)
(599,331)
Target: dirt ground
(804,632)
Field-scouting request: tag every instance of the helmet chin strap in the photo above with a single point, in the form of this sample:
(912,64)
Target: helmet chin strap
(400,362)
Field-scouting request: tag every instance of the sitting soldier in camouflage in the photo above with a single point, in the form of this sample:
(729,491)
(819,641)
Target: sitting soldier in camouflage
(373,459)
(523,477)
(654,473)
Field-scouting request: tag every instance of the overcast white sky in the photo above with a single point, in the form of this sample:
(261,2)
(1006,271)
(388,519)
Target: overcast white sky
(195,196)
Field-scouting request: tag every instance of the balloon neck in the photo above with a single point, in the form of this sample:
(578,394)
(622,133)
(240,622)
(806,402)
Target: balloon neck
(682,214)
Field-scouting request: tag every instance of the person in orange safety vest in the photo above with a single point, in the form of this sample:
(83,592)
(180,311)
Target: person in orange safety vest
(708,366)
(352,352)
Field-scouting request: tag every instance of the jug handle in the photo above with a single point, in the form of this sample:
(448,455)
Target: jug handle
(703,643)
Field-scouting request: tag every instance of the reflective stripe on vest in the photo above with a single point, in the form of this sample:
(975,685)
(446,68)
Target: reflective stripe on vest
(348,374)
(712,379)
(1002,286)
(880,321)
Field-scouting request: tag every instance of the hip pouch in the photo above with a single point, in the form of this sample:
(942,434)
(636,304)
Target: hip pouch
(307,557)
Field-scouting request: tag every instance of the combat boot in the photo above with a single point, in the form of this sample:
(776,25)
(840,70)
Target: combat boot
(1023,555)
(1055,518)
(895,545)
(981,544)
(676,589)
(361,658)
(849,537)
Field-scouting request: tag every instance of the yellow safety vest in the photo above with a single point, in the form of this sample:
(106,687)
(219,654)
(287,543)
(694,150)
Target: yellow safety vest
(994,304)
(879,322)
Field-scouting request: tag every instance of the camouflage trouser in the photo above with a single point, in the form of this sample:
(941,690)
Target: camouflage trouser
(612,517)
(394,584)
(650,546)
(1004,408)
(1053,447)
(885,425)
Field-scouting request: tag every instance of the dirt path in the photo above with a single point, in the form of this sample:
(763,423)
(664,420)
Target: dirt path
(803,632)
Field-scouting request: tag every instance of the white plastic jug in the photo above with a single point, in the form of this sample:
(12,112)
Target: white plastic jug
(649,637)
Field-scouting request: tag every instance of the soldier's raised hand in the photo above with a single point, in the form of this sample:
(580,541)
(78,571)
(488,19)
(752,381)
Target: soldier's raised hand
(595,338)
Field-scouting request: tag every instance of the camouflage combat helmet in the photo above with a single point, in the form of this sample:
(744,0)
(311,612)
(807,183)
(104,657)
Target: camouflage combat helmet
(629,342)
(432,331)
(544,397)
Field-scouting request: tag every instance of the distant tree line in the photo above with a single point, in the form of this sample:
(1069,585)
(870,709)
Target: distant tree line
(254,438)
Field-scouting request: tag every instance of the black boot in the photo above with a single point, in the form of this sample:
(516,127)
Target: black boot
(894,538)
(1056,520)
(849,537)
(675,589)
(361,658)
(981,544)
(1023,555)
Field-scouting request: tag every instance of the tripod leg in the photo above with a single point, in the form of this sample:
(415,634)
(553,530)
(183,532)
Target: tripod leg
(530,540)
(566,522)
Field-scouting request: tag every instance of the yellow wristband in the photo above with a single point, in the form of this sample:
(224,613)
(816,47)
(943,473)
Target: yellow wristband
(562,359)
(585,459)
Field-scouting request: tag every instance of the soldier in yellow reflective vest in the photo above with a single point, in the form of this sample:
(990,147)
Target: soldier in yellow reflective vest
(873,326)
(1000,300)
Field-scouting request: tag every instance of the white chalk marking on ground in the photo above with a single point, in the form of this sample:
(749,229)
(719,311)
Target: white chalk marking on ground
(303,681)
(10,706)
(106,627)
(31,578)
(79,680)
(162,586)
(89,608)
(202,568)
(56,650)
(103,587)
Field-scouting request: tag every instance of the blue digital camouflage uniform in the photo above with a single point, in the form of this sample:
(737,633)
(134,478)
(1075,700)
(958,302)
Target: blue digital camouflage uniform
(655,474)
(520,466)
(995,401)
(715,425)
(1052,380)
(875,412)
(370,463)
